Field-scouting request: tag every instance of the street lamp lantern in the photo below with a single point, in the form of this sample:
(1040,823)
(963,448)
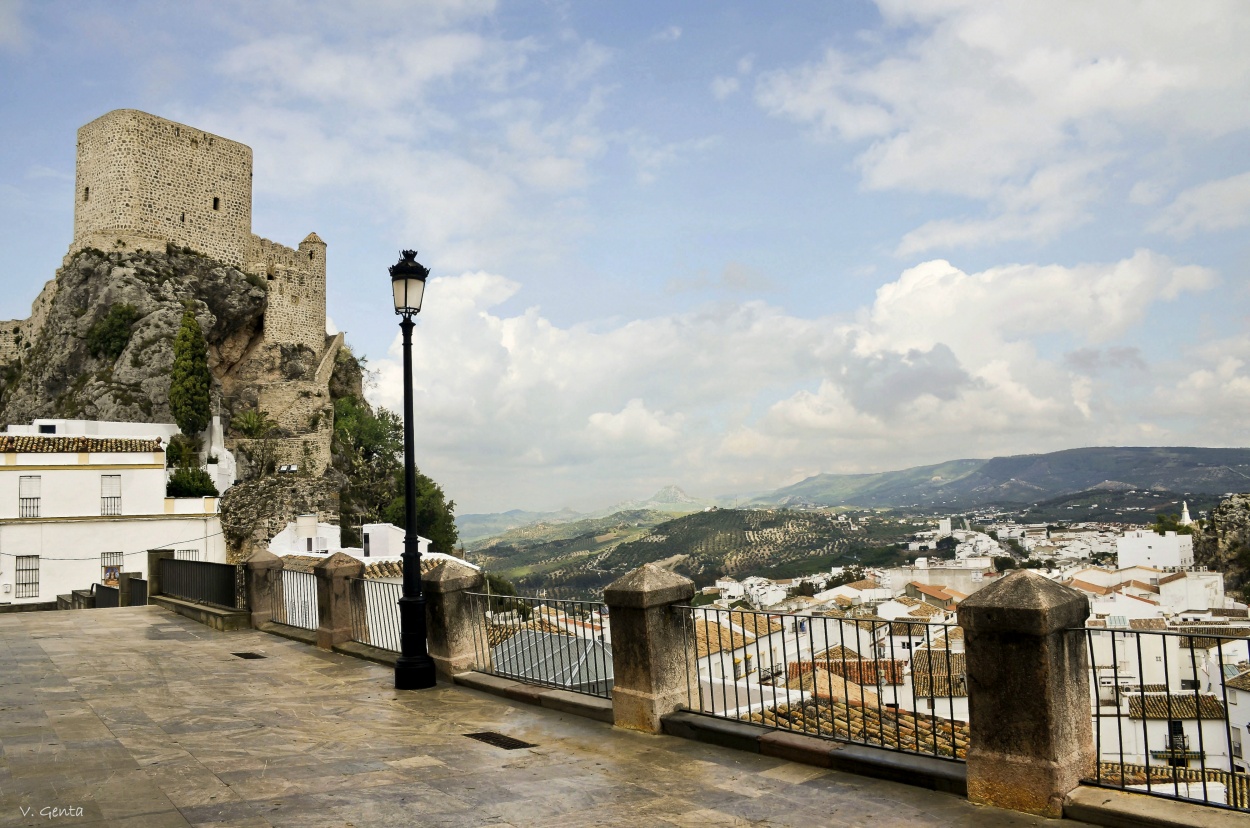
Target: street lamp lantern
(408,283)
(414,669)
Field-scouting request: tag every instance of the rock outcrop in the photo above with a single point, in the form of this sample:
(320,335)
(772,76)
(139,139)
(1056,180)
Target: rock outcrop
(1224,544)
(253,512)
(57,373)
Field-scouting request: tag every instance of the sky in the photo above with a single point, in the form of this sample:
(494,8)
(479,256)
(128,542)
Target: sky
(720,245)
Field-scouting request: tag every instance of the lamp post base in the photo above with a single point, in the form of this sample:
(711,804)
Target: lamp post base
(414,673)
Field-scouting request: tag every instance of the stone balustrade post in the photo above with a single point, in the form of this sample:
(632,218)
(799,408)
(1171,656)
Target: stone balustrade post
(455,624)
(1030,720)
(154,569)
(652,657)
(334,617)
(264,578)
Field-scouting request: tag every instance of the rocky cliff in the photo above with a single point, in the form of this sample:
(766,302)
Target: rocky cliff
(105,348)
(1224,544)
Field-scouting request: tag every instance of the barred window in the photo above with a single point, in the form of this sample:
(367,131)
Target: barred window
(110,566)
(28,496)
(110,494)
(27,585)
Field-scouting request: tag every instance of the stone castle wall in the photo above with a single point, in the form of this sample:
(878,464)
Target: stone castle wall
(143,181)
(18,335)
(296,280)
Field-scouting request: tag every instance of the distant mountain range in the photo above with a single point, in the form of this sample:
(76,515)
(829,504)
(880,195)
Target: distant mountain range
(1027,478)
(956,485)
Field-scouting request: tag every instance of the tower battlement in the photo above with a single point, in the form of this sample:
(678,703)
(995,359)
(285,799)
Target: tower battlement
(143,182)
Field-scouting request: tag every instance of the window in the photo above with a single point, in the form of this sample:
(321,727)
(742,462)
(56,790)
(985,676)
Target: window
(86,193)
(1189,684)
(110,567)
(309,549)
(110,494)
(183,218)
(188,555)
(216,203)
(27,585)
(28,496)
(366,544)
(47,429)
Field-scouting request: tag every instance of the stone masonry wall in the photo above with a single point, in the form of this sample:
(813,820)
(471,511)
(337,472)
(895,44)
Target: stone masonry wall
(296,279)
(145,181)
(17,335)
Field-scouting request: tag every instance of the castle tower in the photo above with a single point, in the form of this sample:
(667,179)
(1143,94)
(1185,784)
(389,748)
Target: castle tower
(144,181)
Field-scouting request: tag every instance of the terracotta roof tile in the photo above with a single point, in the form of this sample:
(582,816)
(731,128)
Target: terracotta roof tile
(29,444)
(1181,706)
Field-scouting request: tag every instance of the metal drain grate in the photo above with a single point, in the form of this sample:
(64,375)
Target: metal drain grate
(499,740)
(248,655)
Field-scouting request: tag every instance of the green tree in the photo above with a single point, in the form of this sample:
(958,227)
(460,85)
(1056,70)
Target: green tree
(1165,523)
(190,380)
(189,481)
(109,336)
(436,515)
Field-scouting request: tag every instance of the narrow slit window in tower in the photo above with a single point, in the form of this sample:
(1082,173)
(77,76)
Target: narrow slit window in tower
(216,203)
(86,193)
(184,218)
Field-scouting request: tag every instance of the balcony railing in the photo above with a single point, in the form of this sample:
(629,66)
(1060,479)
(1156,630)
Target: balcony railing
(1161,713)
(110,506)
(844,679)
(28,507)
(375,612)
(294,600)
(201,581)
(553,643)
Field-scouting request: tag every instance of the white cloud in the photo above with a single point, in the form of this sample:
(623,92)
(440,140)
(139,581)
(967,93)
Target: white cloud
(1211,207)
(741,396)
(670,33)
(13,34)
(722,87)
(1020,102)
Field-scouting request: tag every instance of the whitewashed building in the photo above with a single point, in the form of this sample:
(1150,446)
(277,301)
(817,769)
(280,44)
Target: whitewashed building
(75,511)
(1145,547)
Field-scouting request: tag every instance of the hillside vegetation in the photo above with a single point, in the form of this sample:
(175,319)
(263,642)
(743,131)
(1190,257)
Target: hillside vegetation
(702,546)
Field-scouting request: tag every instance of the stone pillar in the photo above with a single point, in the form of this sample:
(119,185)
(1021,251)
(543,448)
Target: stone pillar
(123,587)
(455,625)
(1030,720)
(334,617)
(154,570)
(652,657)
(264,578)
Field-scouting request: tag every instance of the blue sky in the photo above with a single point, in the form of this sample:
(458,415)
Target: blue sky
(723,245)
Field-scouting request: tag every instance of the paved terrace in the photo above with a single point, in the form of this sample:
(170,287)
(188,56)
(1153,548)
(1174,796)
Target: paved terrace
(140,717)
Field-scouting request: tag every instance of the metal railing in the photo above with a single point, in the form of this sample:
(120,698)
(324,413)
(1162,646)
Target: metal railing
(1161,713)
(28,507)
(200,581)
(375,612)
(897,684)
(294,600)
(138,592)
(106,596)
(552,643)
(110,506)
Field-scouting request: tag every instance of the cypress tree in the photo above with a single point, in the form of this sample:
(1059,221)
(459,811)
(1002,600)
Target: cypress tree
(190,380)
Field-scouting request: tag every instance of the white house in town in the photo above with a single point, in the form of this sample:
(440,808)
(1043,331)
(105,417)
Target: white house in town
(1145,547)
(219,462)
(75,511)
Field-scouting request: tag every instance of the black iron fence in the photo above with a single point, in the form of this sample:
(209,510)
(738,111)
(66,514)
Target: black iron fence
(1166,720)
(294,600)
(898,684)
(138,592)
(201,581)
(106,596)
(375,612)
(553,643)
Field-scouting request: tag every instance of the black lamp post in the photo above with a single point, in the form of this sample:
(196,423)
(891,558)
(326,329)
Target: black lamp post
(414,669)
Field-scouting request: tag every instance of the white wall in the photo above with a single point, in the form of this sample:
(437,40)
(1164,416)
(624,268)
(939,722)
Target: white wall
(70,489)
(69,551)
(1144,547)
